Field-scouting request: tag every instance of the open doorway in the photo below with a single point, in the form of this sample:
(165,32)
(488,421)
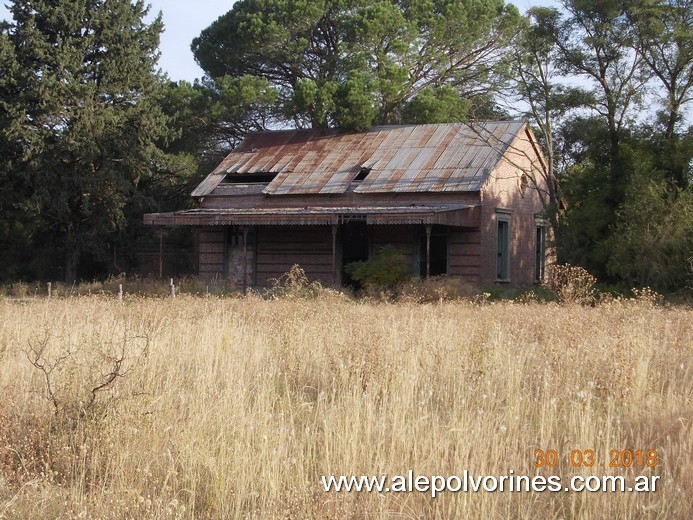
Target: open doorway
(439,252)
(355,248)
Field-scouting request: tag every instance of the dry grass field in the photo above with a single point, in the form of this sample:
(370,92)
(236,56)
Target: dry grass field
(159,408)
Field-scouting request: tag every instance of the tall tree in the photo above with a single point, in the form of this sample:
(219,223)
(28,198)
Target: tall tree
(538,84)
(593,39)
(662,34)
(83,112)
(355,63)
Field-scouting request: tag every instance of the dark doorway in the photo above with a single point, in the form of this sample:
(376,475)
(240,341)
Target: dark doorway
(355,247)
(439,252)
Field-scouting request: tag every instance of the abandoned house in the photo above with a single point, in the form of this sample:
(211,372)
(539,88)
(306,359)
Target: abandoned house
(461,199)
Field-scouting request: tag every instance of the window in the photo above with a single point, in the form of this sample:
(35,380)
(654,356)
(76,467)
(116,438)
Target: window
(540,254)
(503,258)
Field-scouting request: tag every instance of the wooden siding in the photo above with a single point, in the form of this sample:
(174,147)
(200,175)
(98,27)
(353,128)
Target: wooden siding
(212,244)
(279,248)
(464,255)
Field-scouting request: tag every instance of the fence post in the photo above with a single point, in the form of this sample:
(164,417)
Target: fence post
(120,292)
(50,290)
(173,289)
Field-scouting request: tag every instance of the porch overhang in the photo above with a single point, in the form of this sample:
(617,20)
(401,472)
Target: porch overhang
(456,215)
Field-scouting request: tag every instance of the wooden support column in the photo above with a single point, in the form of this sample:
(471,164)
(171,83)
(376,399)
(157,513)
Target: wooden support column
(245,259)
(334,254)
(161,253)
(429,228)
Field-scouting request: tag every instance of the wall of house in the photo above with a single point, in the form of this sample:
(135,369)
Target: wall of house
(212,248)
(251,196)
(502,195)
(273,250)
(240,256)
(279,248)
(403,237)
(464,255)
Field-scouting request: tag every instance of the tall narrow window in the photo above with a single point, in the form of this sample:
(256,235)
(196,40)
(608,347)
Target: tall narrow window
(540,255)
(503,259)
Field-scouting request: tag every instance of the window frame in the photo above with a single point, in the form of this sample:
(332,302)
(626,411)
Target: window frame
(503,250)
(540,237)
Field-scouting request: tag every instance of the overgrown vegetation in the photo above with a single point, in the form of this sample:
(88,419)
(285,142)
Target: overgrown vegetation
(237,407)
(565,284)
(385,270)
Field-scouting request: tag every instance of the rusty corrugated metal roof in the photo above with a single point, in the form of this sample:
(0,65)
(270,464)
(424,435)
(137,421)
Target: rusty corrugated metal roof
(448,214)
(409,158)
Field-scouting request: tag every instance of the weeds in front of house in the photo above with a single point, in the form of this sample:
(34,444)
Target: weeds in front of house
(237,406)
(436,289)
(572,284)
(131,286)
(294,284)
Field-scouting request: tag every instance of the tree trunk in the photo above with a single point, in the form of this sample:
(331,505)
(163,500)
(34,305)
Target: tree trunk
(71,258)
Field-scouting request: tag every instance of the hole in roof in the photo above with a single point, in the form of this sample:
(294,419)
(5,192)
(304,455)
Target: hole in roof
(248,178)
(362,174)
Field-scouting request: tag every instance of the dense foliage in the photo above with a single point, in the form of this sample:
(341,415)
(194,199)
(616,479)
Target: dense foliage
(81,130)
(355,63)
(92,135)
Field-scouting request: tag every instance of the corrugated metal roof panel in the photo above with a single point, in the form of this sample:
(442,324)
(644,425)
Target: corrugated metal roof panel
(463,215)
(445,157)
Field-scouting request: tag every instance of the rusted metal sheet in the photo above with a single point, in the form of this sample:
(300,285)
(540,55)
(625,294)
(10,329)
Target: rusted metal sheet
(414,158)
(460,215)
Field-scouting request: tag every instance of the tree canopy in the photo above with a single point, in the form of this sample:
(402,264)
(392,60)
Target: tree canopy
(80,123)
(355,63)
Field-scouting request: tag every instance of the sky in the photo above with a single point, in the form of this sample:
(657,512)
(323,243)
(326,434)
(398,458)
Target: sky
(184,20)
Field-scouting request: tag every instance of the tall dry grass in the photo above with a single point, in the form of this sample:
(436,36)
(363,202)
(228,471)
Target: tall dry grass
(235,408)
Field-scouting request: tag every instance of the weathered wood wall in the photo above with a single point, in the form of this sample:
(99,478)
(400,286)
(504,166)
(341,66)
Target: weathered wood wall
(278,248)
(212,248)
(464,255)
(404,238)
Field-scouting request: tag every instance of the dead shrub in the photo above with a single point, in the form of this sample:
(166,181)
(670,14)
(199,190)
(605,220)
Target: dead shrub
(436,289)
(572,284)
(294,284)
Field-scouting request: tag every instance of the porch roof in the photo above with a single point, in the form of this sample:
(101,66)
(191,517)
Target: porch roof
(458,215)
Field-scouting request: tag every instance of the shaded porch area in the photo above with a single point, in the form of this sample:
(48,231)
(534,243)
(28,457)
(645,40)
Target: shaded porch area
(253,246)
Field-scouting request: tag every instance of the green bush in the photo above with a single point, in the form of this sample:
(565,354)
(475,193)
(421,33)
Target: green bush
(388,268)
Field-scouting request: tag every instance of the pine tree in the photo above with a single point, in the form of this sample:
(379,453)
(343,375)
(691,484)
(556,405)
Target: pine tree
(79,111)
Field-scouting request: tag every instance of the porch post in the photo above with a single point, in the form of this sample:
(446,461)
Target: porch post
(334,254)
(161,252)
(428,250)
(245,259)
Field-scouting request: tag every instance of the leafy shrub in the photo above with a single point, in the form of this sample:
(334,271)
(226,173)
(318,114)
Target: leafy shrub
(388,268)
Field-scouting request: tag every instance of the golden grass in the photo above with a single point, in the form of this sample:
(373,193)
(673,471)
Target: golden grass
(234,408)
